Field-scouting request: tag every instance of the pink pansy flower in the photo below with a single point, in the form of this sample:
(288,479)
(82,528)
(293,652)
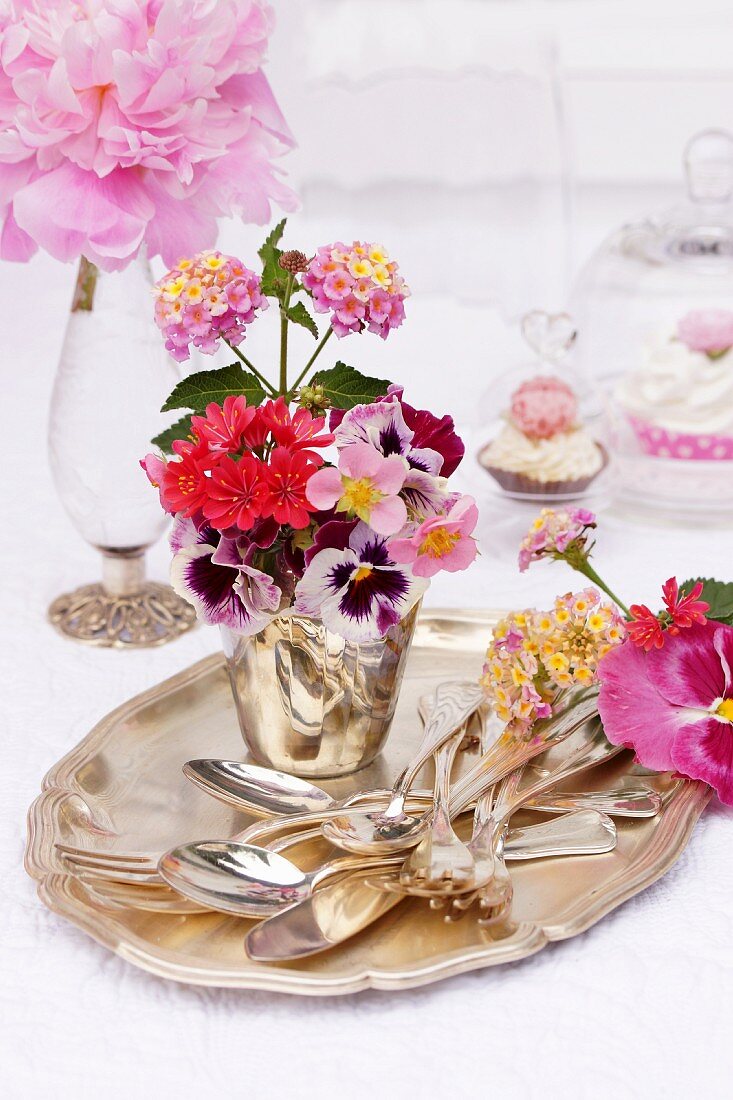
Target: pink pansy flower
(441,542)
(365,485)
(674,706)
(707,330)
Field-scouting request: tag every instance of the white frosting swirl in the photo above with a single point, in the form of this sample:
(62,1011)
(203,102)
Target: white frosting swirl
(681,390)
(566,456)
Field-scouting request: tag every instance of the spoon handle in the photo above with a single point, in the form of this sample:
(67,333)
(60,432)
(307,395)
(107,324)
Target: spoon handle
(453,704)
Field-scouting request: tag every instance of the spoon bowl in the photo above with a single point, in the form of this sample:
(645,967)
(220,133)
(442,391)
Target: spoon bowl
(260,791)
(235,878)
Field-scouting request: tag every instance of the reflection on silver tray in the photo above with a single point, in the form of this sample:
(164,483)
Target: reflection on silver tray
(122,789)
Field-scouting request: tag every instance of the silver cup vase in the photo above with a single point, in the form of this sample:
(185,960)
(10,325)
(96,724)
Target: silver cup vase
(310,703)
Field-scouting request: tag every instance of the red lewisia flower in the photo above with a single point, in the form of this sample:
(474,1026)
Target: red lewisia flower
(286,477)
(684,610)
(235,493)
(298,431)
(184,485)
(225,426)
(647,630)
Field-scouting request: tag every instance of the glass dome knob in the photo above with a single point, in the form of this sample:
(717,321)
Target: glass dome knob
(550,335)
(708,160)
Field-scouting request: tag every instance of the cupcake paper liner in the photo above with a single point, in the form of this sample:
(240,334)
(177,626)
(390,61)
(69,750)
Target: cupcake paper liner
(524,485)
(662,443)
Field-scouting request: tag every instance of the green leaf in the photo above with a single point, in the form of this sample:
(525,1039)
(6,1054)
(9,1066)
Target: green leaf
(180,430)
(719,594)
(274,279)
(299,315)
(196,391)
(345,387)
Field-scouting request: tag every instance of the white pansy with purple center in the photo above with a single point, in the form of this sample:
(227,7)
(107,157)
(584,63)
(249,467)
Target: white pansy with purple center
(383,425)
(359,592)
(208,571)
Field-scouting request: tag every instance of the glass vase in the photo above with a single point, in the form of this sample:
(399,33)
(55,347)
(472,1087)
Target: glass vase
(113,376)
(310,703)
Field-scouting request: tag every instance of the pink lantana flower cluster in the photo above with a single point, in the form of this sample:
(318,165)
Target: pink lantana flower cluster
(204,300)
(552,533)
(535,655)
(359,286)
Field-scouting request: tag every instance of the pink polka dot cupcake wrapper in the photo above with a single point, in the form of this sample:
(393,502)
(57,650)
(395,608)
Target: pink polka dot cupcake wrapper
(662,443)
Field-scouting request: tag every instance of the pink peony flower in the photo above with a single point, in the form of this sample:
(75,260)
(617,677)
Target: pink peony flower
(206,299)
(674,706)
(125,122)
(544,406)
(441,542)
(707,330)
(365,485)
(359,286)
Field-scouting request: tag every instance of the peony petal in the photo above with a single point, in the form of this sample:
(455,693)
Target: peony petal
(632,710)
(687,670)
(704,750)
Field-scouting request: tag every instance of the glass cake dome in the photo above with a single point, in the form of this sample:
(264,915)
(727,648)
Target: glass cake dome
(535,440)
(654,308)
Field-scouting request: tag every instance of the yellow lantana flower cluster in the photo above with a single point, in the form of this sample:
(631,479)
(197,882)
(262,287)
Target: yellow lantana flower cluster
(535,654)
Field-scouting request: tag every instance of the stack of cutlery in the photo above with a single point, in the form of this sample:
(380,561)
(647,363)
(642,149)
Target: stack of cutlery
(397,844)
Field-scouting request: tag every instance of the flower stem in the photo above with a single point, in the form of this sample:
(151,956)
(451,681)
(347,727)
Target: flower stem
(588,571)
(260,377)
(284,337)
(311,361)
(86,284)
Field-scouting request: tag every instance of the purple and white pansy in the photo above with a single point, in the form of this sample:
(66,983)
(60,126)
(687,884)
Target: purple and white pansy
(358,591)
(211,572)
(382,425)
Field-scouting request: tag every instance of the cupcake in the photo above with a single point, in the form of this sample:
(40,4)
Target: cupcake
(680,402)
(542,450)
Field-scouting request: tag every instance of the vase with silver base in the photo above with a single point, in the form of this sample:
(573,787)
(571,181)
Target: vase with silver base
(113,376)
(310,703)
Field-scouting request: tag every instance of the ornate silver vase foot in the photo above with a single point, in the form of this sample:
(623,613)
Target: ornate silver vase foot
(125,611)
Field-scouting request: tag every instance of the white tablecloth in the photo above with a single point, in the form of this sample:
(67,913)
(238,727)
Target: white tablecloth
(638,1005)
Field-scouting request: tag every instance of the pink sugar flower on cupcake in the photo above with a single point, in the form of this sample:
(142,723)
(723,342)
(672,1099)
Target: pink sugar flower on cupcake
(707,330)
(543,450)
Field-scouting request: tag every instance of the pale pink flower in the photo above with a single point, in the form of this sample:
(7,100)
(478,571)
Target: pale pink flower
(365,485)
(440,542)
(544,406)
(130,122)
(707,330)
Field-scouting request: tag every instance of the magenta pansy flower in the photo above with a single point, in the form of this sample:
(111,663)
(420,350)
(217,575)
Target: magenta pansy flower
(440,542)
(674,706)
(366,485)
